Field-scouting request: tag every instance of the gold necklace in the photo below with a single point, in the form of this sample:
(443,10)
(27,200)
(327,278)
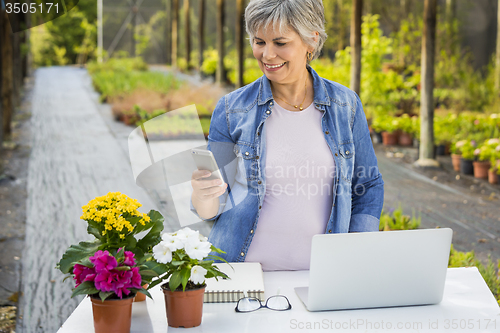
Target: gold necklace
(298,106)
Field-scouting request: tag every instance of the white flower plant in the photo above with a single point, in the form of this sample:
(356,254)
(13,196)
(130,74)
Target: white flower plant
(183,258)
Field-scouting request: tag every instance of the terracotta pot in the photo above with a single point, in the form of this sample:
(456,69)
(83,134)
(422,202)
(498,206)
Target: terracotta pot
(184,308)
(492,177)
(481,169)
(455,160)
(112,316)
(140,297)
(466,167)
(389,139)
(405,139)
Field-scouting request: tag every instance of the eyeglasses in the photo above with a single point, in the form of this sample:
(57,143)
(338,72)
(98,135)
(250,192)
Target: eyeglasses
(249,304)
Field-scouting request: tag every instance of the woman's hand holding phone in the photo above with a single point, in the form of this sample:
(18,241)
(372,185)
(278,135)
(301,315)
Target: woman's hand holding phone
(206,190)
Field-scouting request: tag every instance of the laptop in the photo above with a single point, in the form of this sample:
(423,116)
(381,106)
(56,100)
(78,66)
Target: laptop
(377,269)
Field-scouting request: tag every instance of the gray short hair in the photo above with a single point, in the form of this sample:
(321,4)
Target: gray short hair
(303,16)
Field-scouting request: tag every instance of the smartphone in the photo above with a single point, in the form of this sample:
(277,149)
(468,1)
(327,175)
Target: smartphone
(205,160)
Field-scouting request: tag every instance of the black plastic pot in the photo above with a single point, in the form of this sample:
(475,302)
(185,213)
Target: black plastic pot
(466,167)
(377,137)
(440,150)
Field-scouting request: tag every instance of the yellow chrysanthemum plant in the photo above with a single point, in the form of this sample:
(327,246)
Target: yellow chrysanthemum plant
(115,222)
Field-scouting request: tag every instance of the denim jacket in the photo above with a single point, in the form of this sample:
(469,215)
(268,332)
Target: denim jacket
(238,121)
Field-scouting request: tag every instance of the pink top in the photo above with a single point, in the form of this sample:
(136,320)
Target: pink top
(299,176)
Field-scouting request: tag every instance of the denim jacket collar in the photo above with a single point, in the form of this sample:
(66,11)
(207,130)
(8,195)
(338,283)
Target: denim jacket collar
(320,93)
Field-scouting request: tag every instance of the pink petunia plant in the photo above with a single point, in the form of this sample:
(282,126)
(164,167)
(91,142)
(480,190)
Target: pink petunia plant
(106,274)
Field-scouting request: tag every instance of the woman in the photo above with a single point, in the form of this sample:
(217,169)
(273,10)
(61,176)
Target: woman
(305,163)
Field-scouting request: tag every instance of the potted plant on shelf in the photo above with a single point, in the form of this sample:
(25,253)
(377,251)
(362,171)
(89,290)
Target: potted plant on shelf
(405,125)
(456,154)
(486,156)
(112,268)
(494,170)
(443,135)
(183,258)
(388,125)
(468,149)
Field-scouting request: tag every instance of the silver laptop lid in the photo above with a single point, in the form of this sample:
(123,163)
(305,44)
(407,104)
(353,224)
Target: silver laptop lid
(378,269)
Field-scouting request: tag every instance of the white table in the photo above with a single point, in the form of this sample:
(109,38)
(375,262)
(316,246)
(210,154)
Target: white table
(467,306)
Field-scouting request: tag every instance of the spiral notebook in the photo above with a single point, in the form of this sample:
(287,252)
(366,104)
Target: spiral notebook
(244,276)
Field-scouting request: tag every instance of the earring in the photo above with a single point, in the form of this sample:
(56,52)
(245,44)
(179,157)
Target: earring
(309,56)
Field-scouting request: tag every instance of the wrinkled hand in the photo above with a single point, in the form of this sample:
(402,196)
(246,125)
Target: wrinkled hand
(206,190)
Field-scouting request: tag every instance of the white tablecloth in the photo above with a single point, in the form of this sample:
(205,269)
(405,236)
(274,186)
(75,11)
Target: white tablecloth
(467,306)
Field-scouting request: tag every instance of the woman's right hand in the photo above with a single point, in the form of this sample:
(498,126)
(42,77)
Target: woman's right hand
(205,190)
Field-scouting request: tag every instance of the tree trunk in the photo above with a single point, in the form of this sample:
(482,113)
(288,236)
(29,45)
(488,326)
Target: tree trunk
(134,10)
(451,10)
(29,54)
(340,26)
(220,76)
(187,29)
(168,33)
(239,42)
(497,56)
(201,34)
(7,75)
(16,62)
(1,76)
(426,157)
(175,29)
(357,6)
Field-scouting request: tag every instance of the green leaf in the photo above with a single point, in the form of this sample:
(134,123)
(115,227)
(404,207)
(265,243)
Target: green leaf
(216,250)
(214,257)
(175,280)
(122,268)
(148,274)
(145,292)
(185,274)
(153,236)
(158,281)
(76,253)
(94,231)
(103,295)
(86,262)
(131,242)
(156,267)
(86,288)
(178,263)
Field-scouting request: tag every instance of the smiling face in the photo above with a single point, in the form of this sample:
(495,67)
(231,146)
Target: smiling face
(282,57)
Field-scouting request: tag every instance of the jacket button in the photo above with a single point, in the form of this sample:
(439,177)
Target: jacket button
(327,132)
(258,133)
(268,111)
(242,254)
(271,103)
(336,154)
(257,158)
(251,231)
(247,153)
(260,207)
(330,231)
(347,152)
(259,182)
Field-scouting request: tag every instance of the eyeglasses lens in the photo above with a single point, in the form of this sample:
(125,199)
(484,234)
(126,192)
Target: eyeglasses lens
(248,304)
(278,303)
